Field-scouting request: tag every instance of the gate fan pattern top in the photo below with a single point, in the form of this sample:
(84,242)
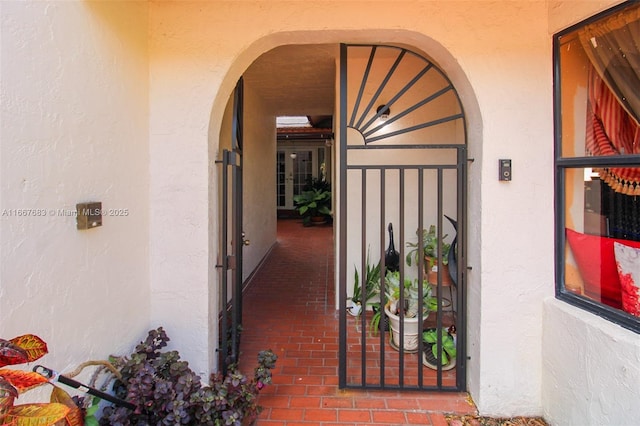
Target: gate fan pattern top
(401,93)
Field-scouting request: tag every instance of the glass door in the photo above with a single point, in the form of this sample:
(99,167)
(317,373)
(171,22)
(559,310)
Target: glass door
(295,167)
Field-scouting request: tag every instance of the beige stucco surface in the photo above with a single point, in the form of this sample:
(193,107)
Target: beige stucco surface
(74,128)
(591,373)
(123,102)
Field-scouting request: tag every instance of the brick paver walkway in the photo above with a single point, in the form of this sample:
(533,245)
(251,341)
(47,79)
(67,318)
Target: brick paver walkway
(289,308)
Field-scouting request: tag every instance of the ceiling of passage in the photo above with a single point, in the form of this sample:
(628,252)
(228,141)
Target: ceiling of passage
(296,79)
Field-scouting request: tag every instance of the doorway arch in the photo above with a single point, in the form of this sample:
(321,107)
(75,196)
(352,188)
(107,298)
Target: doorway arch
(418,43)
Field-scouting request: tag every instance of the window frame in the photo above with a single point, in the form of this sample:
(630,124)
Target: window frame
(561,164)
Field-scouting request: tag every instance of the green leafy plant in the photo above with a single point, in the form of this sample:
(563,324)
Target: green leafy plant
(448,349)
(90,413)
(430,248)
(376,318)
(60,411)
(317,183)
(166,391)
(411,294)
(314,202)
(371,280)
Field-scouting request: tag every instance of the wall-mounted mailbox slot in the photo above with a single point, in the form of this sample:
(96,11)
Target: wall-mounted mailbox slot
(89,215)
(504,170)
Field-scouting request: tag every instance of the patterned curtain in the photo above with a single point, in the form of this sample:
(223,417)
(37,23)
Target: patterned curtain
(613,48)
(613,114)
(611,131)
(613,109)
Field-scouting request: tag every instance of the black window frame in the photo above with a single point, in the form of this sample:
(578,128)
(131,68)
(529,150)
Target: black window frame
(563,163)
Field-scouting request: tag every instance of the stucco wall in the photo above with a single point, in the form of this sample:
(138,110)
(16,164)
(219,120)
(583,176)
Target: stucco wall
(73,83)
(591,373)
(259,179)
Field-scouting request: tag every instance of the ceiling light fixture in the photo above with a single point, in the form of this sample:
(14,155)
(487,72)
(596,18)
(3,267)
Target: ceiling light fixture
(384,112)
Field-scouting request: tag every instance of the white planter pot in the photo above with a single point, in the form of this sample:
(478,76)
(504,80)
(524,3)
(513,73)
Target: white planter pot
(410,343)
(354,308)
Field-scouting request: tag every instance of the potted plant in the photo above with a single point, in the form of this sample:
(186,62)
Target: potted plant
(371,281)
(313,205)
(376,319)
(408,313)
(317,183)
(446,352)
(430,253)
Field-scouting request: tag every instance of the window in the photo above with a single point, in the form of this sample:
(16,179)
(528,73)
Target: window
(597,133)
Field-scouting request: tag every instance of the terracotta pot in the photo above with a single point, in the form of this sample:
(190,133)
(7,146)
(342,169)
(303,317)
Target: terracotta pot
(432,274)
(318,219)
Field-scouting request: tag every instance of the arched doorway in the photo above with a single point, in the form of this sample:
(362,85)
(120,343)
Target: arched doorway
(442,163)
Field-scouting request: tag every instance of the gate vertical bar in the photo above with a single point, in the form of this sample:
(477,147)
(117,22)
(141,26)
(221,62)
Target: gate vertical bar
(439,280)
(421,271)
(342,222)
(382,307)
(402,275)
(381,233)
(461,285)
(364,254)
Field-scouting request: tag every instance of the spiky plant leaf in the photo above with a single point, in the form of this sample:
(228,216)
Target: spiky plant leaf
(36,347)
(11,354)
(75,416)
(22,380)
(37,414)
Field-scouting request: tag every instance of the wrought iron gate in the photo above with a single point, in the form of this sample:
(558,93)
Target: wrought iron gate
(402,157)
(230,261)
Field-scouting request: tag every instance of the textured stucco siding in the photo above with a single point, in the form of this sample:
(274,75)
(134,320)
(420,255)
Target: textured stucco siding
(74,111)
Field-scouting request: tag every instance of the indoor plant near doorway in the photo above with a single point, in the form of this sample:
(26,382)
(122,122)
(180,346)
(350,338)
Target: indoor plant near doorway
(313,205)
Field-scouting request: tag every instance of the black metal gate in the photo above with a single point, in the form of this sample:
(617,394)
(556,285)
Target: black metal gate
(403,156)
(230,260)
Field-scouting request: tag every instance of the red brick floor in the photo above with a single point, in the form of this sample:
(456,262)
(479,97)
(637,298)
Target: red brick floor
(289,308)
